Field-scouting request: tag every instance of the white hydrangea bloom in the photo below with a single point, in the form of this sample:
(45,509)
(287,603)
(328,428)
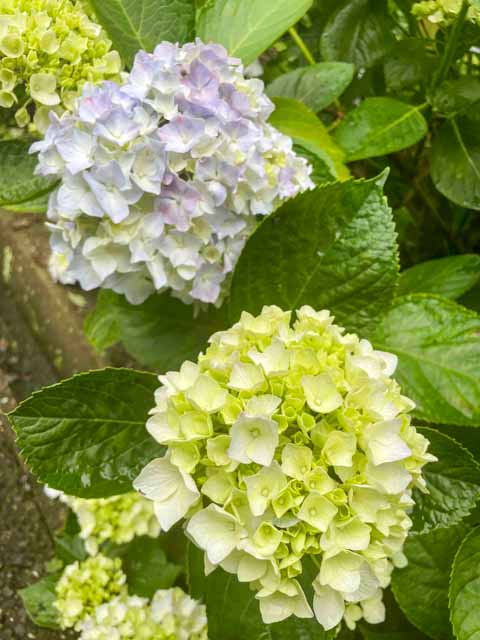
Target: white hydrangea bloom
(163,177)
(287,442)
(170,614)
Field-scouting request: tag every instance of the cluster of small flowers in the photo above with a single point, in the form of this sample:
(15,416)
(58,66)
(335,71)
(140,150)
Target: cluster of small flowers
(287,443)
(118,519)
(83,586)
(163,177)
(48,50)
(444,11)
(92,597)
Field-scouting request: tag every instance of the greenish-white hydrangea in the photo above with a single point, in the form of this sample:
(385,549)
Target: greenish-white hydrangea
(445,11)
(289,444)
(171,615)
(83,586)
(117,519)
(180,616)
(48,50)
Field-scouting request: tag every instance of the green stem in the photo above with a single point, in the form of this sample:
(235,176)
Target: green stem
(451,47)
(301,45)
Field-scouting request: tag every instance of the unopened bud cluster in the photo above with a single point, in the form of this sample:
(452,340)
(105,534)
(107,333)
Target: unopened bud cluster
(117,519)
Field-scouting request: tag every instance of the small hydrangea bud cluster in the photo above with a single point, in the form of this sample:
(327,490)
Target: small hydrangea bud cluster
(163,177)
(84,586)
(48,50)
(286,443)
(92,597)
(444,11)
(117,519)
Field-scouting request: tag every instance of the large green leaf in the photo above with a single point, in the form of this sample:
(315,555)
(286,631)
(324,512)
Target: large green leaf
(316,86)
(359,32)
(296,120)
(409,63)
(449,277)
(146,566)
(457,96)
(161,333)
(455,162)
(421,588)
(18,184)
(142,24)
(464,592)
(331,248)
(438,347)
(86,435)
(38,600)
(246,29)
(233,610)
(380,126)
(453,485)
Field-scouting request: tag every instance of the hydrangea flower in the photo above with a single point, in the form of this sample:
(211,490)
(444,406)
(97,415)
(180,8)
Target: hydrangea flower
(163,177)
(48,50)
(171,614)
(444,11)
(83,586)
(118,519)
(287,445)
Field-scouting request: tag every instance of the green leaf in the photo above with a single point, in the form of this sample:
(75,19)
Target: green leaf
(331,248)
(421,588)
(146,566)
(456,96)
(449,277)
(464,592)
(38,600)
(468,437)
(453,484)
(359,32)
(233,610)
(438,347)
(296,120)
(142,24)
(36,205)
(455,162)
(395,626)
(246,29)
(409,63)
(321,173)
(18,184)
(380,126)
(161,333)
(86,435)
(316,86)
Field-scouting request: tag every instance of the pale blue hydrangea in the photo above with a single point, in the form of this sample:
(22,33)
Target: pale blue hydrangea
(288,444)
(163,177)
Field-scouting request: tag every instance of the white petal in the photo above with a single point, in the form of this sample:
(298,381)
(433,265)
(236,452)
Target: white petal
(158,480)
(328,606)
(215,531)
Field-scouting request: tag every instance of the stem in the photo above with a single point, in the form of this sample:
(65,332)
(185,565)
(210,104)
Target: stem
(451,47)
(301,45)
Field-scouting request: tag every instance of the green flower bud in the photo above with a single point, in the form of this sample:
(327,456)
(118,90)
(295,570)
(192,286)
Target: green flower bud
(86,585)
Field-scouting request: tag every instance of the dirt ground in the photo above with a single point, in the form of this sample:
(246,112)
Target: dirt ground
(27,517)
(41,341)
